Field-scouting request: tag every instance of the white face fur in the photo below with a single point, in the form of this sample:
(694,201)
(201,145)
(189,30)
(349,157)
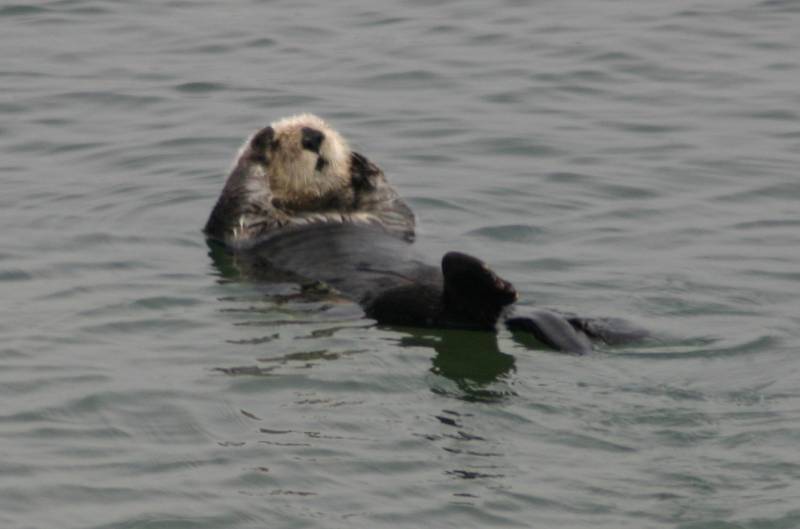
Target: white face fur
(307,160)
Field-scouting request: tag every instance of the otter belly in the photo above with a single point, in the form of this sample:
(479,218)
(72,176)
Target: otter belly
(386,277)
(358,261)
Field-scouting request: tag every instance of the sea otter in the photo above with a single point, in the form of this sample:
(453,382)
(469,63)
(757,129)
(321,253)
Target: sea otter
(299,200)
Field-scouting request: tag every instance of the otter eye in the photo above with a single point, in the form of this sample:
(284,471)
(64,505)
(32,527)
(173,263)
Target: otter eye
(312,139)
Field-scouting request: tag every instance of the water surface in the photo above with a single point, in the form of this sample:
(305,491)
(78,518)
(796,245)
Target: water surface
(611,158)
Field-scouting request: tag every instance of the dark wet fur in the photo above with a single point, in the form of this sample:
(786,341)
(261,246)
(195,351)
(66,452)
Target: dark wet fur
(387,278)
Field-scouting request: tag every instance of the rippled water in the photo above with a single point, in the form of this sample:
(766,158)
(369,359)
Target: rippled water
(631,159)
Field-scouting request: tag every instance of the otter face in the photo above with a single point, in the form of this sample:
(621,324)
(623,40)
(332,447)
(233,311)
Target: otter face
(306,161)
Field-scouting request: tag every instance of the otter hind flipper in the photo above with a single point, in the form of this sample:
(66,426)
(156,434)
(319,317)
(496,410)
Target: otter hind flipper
(552,329)
(470,296)
(474,296)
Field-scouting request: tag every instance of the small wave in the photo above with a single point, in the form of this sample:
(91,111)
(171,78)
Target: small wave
(196,87)
(20,10)
(509,232)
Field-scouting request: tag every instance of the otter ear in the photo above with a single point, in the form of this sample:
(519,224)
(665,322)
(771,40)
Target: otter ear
(363,173)
(259,143)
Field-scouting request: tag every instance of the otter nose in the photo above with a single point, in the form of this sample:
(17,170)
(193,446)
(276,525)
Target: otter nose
(312,139)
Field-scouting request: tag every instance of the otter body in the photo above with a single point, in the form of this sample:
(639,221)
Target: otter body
(300,201)
(385,275)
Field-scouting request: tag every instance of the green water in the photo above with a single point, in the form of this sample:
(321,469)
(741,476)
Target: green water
(610,158)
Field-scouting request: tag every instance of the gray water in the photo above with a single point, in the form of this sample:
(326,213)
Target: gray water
(611,158)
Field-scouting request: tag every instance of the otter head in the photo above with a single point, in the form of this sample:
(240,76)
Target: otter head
(299,170)
(307,163)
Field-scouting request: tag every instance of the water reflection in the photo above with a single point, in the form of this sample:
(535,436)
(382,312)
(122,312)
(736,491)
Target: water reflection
(223,261)
(470,359)
(231,267)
